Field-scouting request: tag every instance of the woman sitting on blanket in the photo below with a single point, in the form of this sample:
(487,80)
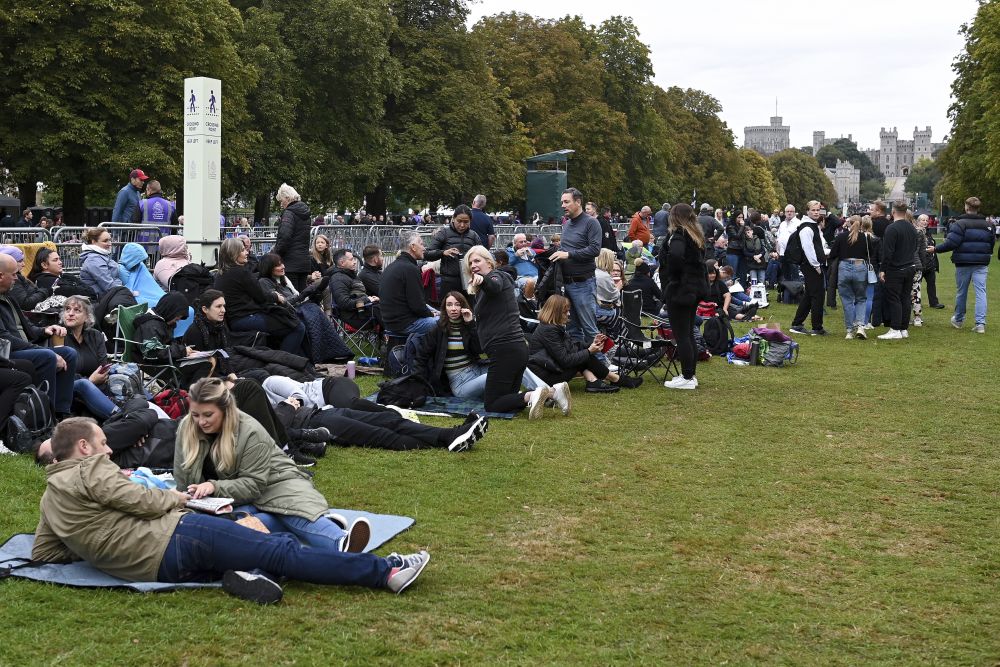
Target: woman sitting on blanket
(226,453)
(449,356)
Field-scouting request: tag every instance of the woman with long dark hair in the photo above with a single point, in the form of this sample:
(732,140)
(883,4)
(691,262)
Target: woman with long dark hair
(684,280)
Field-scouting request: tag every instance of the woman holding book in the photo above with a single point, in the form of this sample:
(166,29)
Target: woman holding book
(223,452)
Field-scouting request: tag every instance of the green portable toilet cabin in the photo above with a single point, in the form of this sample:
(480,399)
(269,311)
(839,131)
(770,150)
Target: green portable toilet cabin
(544,182)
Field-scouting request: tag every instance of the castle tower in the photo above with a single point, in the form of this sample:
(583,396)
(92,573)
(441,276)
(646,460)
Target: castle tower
(887,152)
(818,141)
(922,147)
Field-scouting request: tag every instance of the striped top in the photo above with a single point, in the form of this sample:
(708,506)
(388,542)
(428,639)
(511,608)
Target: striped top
(457,356)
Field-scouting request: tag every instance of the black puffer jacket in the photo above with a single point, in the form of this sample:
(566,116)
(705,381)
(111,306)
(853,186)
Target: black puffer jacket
(292,242)
(445,238)
(551,348)
(148,327)
(347,291)
(682,271)
(25,294)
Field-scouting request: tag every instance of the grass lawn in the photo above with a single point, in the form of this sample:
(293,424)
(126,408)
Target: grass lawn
(842,511)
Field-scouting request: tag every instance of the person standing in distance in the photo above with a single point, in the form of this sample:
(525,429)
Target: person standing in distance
(813,258)
(971,238)
(899,247)
(482,224)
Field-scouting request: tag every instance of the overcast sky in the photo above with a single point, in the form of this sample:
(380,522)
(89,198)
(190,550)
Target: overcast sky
(845,67)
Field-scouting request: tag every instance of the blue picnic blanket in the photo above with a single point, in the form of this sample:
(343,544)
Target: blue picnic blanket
(454,406)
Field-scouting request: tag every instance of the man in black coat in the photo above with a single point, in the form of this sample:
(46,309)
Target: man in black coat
(401,293)
(348,291)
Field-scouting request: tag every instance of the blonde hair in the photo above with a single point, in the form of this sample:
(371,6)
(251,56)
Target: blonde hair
(606,260)
(480,251)
(855,222)
(325,257)
(189,434)
(866,224)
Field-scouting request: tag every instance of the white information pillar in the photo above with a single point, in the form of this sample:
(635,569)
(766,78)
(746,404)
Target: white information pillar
(202,166)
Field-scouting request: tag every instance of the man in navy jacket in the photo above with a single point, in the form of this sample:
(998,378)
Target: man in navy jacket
(970,238)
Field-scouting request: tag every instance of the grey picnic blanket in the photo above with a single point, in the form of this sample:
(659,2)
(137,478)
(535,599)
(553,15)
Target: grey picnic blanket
(454,406)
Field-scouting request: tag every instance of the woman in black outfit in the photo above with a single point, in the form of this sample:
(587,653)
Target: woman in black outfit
(47,273)
(500,336)
(682,274)
(248,308)
(292,242)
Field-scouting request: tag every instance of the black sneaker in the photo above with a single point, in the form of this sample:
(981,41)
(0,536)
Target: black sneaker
(467,434)
(482,424)
(321,434)
(819,332)
(301,458)
(627,382)
(313,449)
(939,306)
(798,329)
(601,387)
(251,586)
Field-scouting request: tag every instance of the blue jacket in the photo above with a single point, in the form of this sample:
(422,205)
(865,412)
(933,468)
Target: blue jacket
(98,271)
(136,276)
(971,238)
(126,205)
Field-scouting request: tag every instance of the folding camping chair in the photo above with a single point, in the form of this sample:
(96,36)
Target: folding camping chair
(130,350)
(635,353)
(364,339)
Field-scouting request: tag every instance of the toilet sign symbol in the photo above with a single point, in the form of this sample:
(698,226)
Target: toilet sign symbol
(211,102)
(191,106)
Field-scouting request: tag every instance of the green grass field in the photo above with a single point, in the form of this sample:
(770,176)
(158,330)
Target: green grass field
(842,511)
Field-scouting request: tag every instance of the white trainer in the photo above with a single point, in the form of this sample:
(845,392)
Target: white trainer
(562,397)
(891,334)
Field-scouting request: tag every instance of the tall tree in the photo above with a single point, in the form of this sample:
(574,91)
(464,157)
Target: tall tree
(94,88)
(762,189)
(801,178)
(971,162)
(924,177)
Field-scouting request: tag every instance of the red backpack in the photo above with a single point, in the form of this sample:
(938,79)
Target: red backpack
(173,401)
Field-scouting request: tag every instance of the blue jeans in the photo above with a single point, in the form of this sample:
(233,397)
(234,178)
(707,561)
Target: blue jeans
(771,274)
(735,261)
(203,547)
(291,340)
(59,385)
(870,302)
(470,382)
(421,326)
(977,276)
(852,283)
(319,533)
(95,399)
(757,275)
(582,324)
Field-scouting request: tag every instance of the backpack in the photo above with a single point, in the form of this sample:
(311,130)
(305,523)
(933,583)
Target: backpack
(30,420)
(173,401)
(395,362)
(792,291)
(793,249)
(719,335)
(407,391)
(156,452)
(124,383)
(191,280)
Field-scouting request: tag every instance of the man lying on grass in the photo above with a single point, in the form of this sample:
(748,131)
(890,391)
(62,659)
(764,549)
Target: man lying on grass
(91,511)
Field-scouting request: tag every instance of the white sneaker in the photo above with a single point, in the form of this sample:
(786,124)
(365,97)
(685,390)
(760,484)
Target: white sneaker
(869,326)
(979,328)
(891,334)
(860,332)
(685,384)
(562,397)
(905,332)
(670,383)
(849,336)
(536,401)
(917,322)
(355,540)
(955,323)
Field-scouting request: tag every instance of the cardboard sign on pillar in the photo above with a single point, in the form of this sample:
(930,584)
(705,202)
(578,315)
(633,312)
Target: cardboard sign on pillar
(202,166)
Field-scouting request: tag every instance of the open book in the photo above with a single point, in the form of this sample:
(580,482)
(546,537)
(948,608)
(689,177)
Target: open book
(211,505)
(197,357)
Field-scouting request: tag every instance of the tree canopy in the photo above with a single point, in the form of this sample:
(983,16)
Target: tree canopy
(801,178)
(971,162)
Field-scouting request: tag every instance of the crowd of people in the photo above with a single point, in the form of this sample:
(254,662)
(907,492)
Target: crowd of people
(508,327)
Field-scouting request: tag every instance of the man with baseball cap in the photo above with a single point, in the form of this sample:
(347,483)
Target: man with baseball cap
(127,203)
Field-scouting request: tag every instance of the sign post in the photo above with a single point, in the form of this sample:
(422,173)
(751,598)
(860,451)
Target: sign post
(202,166)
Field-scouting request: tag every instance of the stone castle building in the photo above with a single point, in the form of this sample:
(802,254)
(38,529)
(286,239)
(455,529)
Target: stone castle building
(820,140)
(896,156)
(767,139)
(846,179)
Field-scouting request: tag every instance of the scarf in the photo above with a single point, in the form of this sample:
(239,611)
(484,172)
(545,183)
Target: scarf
(212,332)
(95,248)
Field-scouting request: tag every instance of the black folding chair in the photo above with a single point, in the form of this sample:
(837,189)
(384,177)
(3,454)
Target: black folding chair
(636,353)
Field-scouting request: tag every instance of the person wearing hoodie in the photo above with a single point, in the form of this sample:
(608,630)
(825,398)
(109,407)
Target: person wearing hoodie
(292,243)
(98,270)
(174,255)
(137,278)
(354,306)
(154,331)
(23,292)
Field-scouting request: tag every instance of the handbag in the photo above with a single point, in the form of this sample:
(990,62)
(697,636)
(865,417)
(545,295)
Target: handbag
(872,277)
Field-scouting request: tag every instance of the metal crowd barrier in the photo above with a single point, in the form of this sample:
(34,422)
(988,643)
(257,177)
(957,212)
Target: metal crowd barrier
(17,235)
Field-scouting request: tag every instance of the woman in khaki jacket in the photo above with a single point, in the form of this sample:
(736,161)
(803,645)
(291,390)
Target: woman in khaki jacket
(226,453)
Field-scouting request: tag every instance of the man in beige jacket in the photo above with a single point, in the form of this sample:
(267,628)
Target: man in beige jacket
(91,511)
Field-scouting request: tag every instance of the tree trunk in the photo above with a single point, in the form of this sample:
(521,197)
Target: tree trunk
(74,204)
(26,192)
(375,200)
(262,209)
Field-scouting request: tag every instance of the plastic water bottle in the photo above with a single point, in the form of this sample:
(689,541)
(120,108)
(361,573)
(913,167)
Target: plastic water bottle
(368,361)
(351,369)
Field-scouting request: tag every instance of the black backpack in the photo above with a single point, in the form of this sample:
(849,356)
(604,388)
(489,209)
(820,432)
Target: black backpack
(793,249)
(792,291)
(30,421)
(191,280)
(719,335)
(407,391)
